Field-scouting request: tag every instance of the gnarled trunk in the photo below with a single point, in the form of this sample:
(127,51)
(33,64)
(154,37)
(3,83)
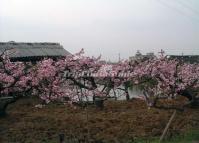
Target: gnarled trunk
(126,86)
(3,106)
(191,96)
(2,110)
(4,102)
(98,101)
(127,94)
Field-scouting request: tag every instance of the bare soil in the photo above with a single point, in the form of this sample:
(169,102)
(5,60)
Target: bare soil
(118,121)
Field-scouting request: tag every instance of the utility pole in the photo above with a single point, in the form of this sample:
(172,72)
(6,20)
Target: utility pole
(119,57)
(161,52)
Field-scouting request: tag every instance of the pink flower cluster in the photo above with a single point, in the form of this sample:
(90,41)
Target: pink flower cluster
(159,77)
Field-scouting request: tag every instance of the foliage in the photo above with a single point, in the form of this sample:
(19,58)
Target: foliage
(78,77)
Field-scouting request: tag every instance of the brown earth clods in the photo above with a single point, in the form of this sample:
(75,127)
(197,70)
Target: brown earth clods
(118,120)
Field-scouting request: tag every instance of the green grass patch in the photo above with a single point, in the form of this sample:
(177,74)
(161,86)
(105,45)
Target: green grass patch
(190,137)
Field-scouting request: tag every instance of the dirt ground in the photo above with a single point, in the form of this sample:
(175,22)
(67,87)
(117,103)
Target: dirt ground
(119,120)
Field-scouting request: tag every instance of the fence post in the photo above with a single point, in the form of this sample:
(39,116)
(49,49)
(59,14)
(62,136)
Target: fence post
(167,126)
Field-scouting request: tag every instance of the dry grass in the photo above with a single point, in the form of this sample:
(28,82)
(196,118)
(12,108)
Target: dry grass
(120,120)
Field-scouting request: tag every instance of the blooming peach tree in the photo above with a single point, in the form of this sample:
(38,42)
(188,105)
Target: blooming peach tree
(15,79)
(163,78)
(76,78)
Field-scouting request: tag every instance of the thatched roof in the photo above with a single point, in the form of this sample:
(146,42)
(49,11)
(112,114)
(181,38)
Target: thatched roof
(33,51)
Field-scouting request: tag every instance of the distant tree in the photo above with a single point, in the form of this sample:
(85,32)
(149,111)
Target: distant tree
(15,81)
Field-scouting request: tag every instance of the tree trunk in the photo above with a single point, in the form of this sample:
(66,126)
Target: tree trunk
(186,94)
(2,112)
(98,101)
(5,102)
(126,87)
(127,93)
(191,96)
(3,106)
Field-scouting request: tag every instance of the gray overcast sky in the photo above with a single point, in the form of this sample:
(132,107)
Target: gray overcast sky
(106,27)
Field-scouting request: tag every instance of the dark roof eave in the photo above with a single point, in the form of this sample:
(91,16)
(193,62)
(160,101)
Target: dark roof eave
(33,58)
